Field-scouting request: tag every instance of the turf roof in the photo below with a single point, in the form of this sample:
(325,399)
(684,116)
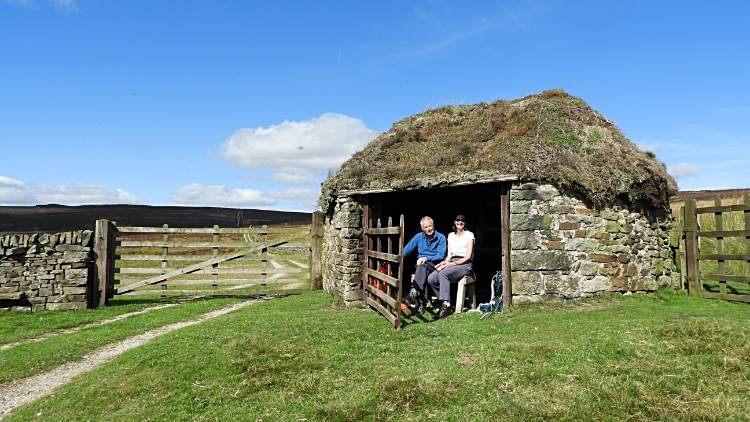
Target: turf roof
(552,136)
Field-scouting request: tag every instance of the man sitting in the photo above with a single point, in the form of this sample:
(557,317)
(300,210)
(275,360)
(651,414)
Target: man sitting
(431,247)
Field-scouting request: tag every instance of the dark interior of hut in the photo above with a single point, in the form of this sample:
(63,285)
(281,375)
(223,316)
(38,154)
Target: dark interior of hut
(480,204)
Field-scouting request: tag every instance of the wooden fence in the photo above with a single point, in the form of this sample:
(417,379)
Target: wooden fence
(697,242)
(207,261)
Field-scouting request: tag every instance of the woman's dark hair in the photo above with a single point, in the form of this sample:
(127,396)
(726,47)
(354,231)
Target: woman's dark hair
(454,221)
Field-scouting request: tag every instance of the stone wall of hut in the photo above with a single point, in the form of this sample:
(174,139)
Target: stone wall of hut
(342,251)
(563,249)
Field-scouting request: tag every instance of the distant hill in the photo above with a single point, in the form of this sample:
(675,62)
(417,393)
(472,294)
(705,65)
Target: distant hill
(50,218)
(702,195)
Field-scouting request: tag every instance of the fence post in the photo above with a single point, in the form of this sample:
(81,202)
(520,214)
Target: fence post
(104,247)
(690,258)
(316,251)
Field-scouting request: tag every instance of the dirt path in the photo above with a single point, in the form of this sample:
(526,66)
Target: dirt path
(17,393)
(273,276)
(95,324)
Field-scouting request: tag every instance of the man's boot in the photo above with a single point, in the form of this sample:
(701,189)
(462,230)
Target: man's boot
(445,311)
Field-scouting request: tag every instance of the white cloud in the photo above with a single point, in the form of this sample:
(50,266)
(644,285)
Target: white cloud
(656,147)
(298,148)
(294,193)
(301,178)
(219,196)
(15,192)
(66,5)
(683,170)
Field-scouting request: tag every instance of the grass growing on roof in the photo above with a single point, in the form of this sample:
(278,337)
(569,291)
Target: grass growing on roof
(550,136)
(643,357)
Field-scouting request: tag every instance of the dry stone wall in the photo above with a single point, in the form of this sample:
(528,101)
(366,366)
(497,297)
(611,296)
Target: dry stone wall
(562,249)
(342,250)
(46,271)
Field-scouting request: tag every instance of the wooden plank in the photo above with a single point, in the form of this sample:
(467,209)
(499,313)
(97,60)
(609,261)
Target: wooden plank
(102,246)
(129,229)
(378,307)
(139,257)
(500,178)
(724,208)
(207,245)
(719,222)
(380,276)
(736,298)
(213,270)
(683,262)
(316,251)
(400,292)
(505,262)
(382,295)
(723,233)
(366,214)
(724,257)
(125,282)
(383,230)
(384,256)
(690,252)
(223,292)
(746,200)
(200,265)
(725,277)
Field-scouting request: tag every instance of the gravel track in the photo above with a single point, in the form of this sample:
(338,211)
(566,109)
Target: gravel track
(20,392)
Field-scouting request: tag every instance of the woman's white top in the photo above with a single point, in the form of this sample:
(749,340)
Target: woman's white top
(460,243)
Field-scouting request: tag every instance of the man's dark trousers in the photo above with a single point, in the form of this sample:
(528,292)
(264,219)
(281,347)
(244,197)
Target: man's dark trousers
(420,278)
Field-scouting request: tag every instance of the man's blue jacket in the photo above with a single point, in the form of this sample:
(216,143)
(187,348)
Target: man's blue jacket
(433,249)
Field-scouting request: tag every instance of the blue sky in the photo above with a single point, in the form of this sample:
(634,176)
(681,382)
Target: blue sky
(248,104)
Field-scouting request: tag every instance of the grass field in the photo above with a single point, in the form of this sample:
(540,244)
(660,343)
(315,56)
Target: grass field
(642,357)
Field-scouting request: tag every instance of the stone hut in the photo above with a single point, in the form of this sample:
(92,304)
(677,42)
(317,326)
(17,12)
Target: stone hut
(552,190)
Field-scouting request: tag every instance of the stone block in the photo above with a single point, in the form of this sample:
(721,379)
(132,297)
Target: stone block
(566,285)
(9,289)
(596,257)
(77,298)
(86,237)
(529,222)
(37,300)
(618,249)
(626,228)
(609,271)
(618,284)
(352,250)
(595,284)
(21,308)
(663,281)
(56,298)
(540,260)
(609,214)
(531,194)
(15,251)
(12,295)
(351,206)
(657,266)
(351,295)
(623,259)
(556,245)
(351,233)
(589,268)
(580,233)
(570,226)
(66,306)
(72,248)
(644,283)
(586,211)
(522,299)
(347,220)
(612,226)
(597,234)
(45,291)
(526,282)
(74,290)
(526,240)
(78,273)
(583,245)
(629,270)
(38,307)
(520,207)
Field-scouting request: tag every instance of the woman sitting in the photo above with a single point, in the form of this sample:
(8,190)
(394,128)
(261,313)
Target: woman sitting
(456,265)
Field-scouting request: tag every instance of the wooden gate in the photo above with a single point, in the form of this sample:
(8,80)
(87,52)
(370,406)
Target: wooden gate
(384,272)
(206,261)
(705,258)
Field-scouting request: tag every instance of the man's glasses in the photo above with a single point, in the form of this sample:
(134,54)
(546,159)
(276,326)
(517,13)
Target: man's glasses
(460,220)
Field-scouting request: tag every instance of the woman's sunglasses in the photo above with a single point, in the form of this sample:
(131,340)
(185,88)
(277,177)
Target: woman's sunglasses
(460,220)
